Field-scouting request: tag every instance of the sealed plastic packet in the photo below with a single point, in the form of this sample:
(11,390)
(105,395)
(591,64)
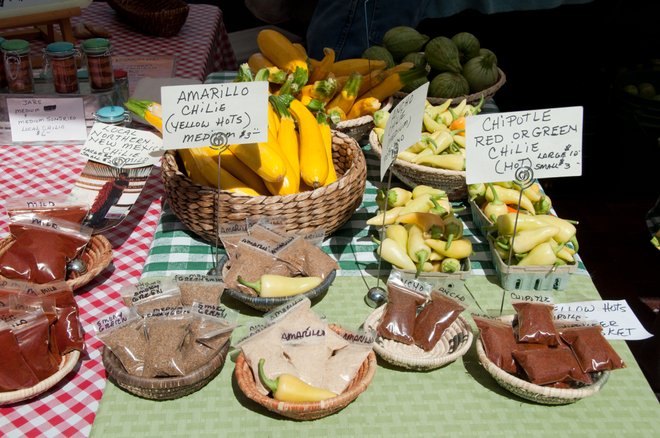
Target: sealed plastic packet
(123,333)
(48,207)
(230,234)
(592,350)
(211,328)
(534,323)
(15,372)
(398,320)
(166,335)
(161,293)
(435,317)
(201,288)
(342,367)
(551,365)
(499,342)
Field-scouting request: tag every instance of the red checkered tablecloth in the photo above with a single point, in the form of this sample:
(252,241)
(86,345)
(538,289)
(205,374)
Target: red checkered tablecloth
(69,408)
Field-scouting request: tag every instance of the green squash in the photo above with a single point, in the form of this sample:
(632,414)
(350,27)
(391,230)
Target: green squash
(481,72)
(413,85)
(379,53)
(418,59)
(442,55)
(484,51)
(468,45)
(449,85)
(401,40)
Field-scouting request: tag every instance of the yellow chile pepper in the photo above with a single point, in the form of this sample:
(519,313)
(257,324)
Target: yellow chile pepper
(445,118)
(476,190)
(421,204)
(422,189)
(567,230)
(417,248)
(459,249)
(389,217)
(446,161)
(435,111)
(407,156)
(459,110)
(510,196)
(442,140)
(450,265)
(532,192)
(289,388)
(435,257)
(453,229)
(379,133)
(391,252)
(524,241)
(396,197)
(459,139)
(540,255)
(271,285)
(562,252)
(380,118)
(543,205)
(399,233)
(429,123)
(423,220)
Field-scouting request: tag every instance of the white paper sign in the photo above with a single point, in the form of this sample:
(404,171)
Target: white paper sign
(615,317)
(404,127)
(523,145)
(143,66)
(122,147)
(214,114)
(46,119)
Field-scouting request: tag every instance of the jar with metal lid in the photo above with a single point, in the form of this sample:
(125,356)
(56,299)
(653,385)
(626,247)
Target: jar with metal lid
(99,63)
(61,59)
(113,115)
(18,66)
(3,77)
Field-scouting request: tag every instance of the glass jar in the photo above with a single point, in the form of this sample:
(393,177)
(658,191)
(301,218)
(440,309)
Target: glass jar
(18,66)
(99,63)
(61,59)
(113,115)
(3,77)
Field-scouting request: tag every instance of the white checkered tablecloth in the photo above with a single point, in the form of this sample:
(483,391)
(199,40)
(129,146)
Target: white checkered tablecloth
(69,408)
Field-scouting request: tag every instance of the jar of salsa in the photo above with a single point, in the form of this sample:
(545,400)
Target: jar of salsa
(61,59)
(99,63)
(18,66)
(3,77)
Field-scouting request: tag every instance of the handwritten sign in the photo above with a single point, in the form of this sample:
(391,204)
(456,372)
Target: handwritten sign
(144,66)
(122,147)
(523,145)
(214,114)
(46,119)
(615,317)
(404,127)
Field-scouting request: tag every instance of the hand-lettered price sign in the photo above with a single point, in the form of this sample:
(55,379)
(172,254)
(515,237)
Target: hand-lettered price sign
(404,127)
(47,119)
(110,144)
(523,145)
(214,114)
(615,317)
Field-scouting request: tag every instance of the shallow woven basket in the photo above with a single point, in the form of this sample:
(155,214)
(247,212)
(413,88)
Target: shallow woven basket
(97,256)
(453,344)
(308,410)
(471,98)
(69,361)
(162,18)
(326,208)
(411,174)
(266,304)
(164,388)
(360,128)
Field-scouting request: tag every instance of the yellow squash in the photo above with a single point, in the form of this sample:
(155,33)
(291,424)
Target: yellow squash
(280,50)
(313,155)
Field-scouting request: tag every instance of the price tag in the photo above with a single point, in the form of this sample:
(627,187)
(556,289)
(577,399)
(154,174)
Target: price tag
(523,145)
(47,119)
(404,127)
(214,114)
(122,147)
(615,317)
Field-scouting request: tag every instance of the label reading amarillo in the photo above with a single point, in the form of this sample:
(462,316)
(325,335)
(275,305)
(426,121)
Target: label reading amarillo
(404,127)
(122,147)
(523,145)
(46,119)
(214,114)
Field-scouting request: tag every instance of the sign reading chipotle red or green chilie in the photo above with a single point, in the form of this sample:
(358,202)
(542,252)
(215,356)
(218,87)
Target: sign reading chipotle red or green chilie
(523,145)
(214,114)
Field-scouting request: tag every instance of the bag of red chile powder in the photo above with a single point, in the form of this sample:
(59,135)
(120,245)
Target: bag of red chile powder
(545,366)
(534,323)
(54,207)
(14,373)
(591,348)
(398,320)
(42,248)
(436,316)
(498,341)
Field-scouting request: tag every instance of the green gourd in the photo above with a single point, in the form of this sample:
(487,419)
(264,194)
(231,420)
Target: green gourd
(442,55)
(468,45)
(418,59)
(413,85)
(379,53)
(448,85)
(401,40)
(485,51)
(481,72)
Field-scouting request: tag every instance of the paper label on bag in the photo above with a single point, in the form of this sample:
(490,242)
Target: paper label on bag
(615,317)
(523,145)
(404,127)
(46,119)
(214,114)
(122,147)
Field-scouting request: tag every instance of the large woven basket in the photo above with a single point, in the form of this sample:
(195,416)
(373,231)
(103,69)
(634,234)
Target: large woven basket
(97,256)
(470,98)
(307,410)
(360,128)
(69,362)
(161,18)
(164,388)
(326,208)
(411,174)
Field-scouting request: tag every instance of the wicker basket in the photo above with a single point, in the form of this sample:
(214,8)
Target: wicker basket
(536,393)
(97,256)
(451,181)
(164,388)
(308,410)
(163,18)
(454,343)
(326,208)
(69,362)
(360,128)
(471,98)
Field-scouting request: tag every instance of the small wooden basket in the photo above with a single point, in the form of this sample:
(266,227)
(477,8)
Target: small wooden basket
(411,174)
(97,256)
(163,18)
(360,128)
(69,362)
(164,388)
(326,208)
(308,410)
